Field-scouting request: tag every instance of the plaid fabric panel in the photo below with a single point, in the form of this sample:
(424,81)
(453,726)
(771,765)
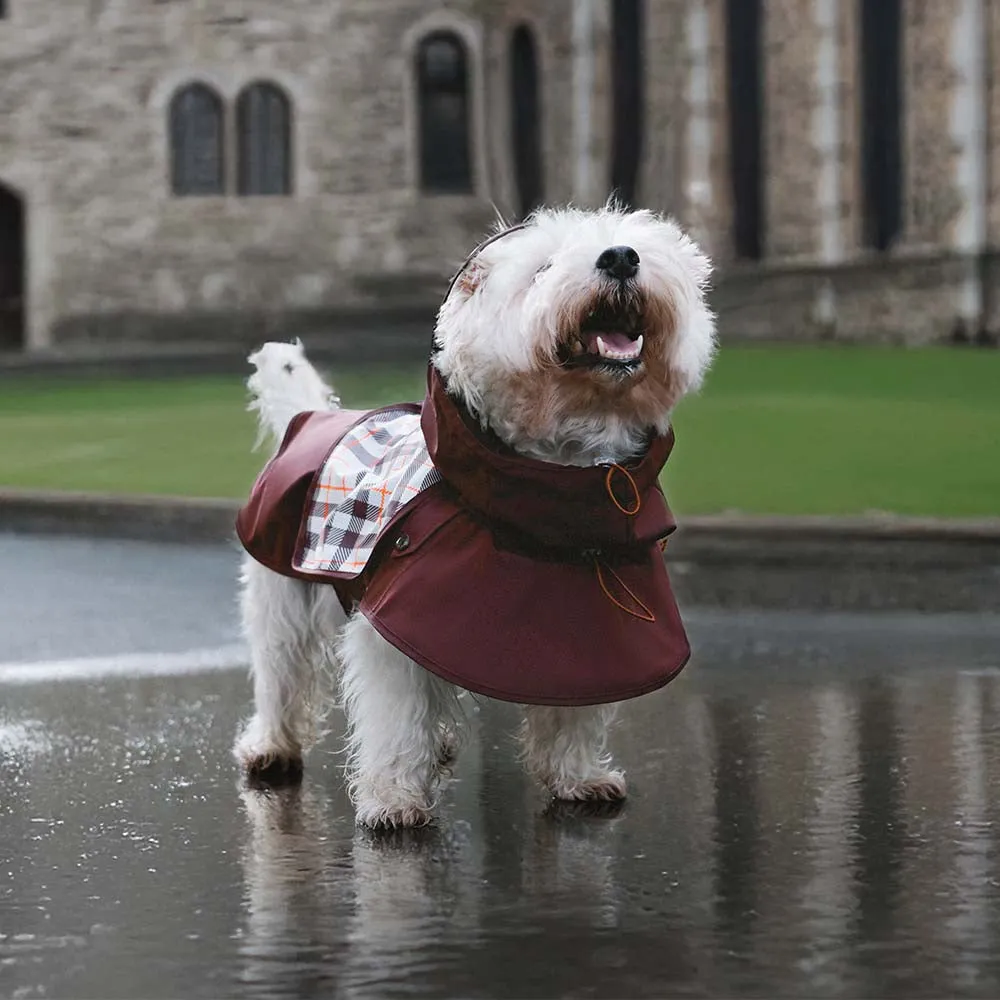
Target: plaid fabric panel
(379,465)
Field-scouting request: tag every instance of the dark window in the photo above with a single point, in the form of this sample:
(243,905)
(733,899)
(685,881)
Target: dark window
(264,129)
(627,97)
(526,124)
(745,88)
(196,139)
(11,269)
(443,89)
(3,8)
(881,115)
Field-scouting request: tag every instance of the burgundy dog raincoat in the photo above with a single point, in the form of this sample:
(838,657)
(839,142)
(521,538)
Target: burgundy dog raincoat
(518,579)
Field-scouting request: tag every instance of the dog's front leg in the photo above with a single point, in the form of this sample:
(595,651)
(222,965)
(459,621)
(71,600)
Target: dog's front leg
(566,750)
(401,722)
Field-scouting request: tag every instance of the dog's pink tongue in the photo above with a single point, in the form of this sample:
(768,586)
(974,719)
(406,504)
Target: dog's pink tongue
(612,340)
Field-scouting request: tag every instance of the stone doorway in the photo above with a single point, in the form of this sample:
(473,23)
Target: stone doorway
(12,230)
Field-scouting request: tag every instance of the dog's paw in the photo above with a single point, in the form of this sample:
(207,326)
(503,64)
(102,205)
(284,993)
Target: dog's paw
(404,816)
(608,787)
(272,770)
(268,758)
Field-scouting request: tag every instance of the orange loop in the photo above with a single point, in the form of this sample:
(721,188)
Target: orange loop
(631,512)
(643,613)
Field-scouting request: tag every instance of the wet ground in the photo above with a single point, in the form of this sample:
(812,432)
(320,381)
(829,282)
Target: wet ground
(814,813)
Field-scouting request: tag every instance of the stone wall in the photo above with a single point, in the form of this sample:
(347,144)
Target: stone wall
(704,201)
(791,164)
(931,200)
(817,278)
(83,138)
(112,254)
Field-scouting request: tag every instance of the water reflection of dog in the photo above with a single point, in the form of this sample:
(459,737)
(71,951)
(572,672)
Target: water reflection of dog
(328,905)
(418,904)
(427,901)
(334,908)
(296,891)
(570,864)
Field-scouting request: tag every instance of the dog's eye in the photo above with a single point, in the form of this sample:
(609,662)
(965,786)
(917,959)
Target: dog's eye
(543,268)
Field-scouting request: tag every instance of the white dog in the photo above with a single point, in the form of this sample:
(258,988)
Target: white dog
(570,339)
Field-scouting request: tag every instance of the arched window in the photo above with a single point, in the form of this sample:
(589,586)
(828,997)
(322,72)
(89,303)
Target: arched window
(526,119)
(627,96)
(879,22)
(264,140)
(443,94)
(196,141)
(745,91)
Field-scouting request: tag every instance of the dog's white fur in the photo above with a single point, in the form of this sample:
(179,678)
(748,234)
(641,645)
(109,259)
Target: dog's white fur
(497,342)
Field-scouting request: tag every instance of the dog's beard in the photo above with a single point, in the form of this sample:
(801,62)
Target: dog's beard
(580,404)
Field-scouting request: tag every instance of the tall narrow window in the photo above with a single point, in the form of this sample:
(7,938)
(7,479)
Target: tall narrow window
(443,94)
(745,91)
(526,124)
(628,112)
(264,137)
(881,118)
(196,140)
(12,235)
(3,9)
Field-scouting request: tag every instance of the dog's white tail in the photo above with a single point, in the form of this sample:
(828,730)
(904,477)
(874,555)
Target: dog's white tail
(285,383)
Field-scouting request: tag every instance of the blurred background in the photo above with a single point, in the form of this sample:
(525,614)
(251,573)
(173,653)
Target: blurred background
(182,180)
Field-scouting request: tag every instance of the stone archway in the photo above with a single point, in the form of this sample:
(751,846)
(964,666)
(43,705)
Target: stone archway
(12,238)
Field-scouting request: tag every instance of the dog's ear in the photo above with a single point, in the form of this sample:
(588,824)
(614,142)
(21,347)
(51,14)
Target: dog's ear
(471,278)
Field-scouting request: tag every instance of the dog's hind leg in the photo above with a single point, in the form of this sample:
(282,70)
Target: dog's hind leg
(402,720)
(285,656)
(566,750)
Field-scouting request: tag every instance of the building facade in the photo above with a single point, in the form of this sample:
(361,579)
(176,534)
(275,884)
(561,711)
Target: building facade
(214,169)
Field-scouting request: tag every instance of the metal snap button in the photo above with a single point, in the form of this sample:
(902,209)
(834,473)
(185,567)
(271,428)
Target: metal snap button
(402,543)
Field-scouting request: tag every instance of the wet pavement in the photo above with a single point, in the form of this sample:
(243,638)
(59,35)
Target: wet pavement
(814,813)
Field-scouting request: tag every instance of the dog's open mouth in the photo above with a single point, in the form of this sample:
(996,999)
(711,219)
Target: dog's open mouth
(610,338)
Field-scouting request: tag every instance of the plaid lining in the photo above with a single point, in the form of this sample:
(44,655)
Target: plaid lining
(378,466)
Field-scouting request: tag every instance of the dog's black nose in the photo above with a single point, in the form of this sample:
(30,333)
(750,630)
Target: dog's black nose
(619,262)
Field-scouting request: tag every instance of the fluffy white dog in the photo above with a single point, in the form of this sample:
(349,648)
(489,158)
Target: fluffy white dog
(571,339)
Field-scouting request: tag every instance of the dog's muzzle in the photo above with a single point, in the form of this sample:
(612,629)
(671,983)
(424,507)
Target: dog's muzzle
(610,337)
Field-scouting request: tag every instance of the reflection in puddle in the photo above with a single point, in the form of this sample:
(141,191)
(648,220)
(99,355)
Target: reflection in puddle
(790,833)
(833,839)
(289,869)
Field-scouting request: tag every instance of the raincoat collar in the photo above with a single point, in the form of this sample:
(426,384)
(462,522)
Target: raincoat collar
(599,510)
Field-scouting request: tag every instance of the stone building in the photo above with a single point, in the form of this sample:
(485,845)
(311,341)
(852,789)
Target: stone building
(229,169)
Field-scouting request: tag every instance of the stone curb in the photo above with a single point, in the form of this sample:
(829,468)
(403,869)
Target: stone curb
(100,515)
(402,342)
(723,561)
(165,518)
(884,526)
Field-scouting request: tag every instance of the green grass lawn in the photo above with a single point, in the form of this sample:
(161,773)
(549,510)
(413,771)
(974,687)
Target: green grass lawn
(794,430)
